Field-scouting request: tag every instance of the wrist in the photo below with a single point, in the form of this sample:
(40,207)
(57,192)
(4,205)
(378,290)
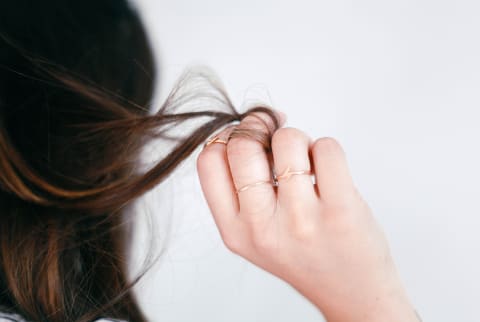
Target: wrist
(389,307)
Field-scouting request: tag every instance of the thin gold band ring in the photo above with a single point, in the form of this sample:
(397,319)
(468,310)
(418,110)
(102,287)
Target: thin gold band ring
(285,175)
(248,186)
(215,139)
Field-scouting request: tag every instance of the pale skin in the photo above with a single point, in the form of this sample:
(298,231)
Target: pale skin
(320,238)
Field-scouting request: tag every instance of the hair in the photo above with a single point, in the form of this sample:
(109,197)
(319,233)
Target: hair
(76,85)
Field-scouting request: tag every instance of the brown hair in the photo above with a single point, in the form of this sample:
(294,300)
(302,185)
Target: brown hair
(73,124)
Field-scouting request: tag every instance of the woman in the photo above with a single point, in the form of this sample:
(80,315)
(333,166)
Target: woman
(76,80)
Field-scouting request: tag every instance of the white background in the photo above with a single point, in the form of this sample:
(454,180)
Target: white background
(397,82)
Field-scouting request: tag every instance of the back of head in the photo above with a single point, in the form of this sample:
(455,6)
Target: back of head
(75,80)
(57,60)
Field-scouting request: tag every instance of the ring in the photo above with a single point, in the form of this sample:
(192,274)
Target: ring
(253,185)
(287,174)
(215,139)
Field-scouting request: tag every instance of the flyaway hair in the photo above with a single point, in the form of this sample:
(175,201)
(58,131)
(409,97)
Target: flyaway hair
(76,85)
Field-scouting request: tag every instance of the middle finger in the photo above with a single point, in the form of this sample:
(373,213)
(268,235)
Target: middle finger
(250,166)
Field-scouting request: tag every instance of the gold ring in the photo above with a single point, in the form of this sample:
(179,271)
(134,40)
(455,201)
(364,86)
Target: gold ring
(215,139)
(248,186)
(287,174)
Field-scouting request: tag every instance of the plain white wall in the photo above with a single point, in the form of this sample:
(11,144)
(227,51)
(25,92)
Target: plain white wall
(397,82)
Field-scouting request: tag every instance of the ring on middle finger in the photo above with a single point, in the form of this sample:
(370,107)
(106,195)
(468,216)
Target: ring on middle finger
(287,174)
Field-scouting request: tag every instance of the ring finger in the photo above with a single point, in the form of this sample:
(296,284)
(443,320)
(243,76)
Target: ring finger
(290,148)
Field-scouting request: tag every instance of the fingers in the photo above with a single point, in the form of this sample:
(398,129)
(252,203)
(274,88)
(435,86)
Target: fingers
(290,149)
(223,172)
(250,167)
(332,175)
(216,182)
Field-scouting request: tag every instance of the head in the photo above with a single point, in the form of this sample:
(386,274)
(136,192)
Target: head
(76,82)
(56,58)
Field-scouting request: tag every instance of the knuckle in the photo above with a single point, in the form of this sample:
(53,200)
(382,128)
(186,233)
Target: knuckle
(297,205)
(246,138)
(304,230)
(327,146)
(263,243)
(239,145)
(204,159)
(252,134)
(259,120)
(288,135)
(296,209)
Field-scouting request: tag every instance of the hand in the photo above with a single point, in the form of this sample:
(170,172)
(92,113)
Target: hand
(320,238)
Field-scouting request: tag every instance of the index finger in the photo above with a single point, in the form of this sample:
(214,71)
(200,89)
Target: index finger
(216,182)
